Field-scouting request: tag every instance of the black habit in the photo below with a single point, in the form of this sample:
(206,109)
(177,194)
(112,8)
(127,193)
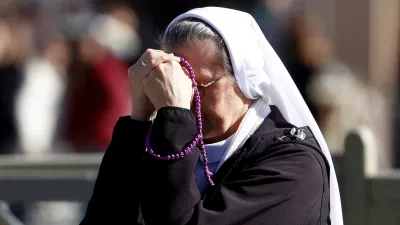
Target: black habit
(276,178)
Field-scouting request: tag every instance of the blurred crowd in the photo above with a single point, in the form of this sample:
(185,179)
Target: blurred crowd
(63,68)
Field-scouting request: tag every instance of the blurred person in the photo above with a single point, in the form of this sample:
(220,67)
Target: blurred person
(117,30)
(98,93)
(227,144)
(16,43)
(305,51)
(272,16)
(42,95)
(333,93)
(10,81)
(39,114)
(338,97)
(340,103)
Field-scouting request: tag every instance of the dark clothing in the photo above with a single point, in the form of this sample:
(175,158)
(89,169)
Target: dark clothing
(97,103)
(275,178)
(11,79)
(302,76)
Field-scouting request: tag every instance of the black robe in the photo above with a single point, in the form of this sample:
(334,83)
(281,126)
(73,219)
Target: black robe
(275,178)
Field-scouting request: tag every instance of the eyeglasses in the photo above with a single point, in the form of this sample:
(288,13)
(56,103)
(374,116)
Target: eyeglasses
(202,87)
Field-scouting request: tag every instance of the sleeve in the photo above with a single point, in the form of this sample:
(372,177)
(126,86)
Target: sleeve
(111,74)
(115,198)
(284,188)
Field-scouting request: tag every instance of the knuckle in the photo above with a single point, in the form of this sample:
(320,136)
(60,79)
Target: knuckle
(152,63)
(159,67)
(149,51)
(155,57)
(165,56)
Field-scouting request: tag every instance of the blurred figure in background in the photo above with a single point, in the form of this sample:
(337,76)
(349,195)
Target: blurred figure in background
(284,25)
(16,43)
(39,114)
(301,55)
(10,81)
(99,89)
(272,16)
(332,92)
(338,98)
(42,95)
(117,30)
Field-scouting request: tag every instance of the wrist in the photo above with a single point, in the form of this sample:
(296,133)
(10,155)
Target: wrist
(176,104)
(141,115)
(180,105)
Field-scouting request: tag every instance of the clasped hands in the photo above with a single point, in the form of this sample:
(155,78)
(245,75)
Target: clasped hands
(158,82)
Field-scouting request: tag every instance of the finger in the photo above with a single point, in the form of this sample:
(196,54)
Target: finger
(175,66)
(150,59)
(152,76)
(156,58)
(153,58)
(176,58)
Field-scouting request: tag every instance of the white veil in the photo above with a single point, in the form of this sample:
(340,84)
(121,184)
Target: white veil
(261,75)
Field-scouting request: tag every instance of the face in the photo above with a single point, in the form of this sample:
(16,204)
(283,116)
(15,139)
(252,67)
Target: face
(222,106)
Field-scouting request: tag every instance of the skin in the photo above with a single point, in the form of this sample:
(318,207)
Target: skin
(223,105)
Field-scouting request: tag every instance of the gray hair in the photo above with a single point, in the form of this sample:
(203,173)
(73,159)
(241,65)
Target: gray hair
(190,31)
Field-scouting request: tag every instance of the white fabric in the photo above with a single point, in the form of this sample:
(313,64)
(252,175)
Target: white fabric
(38,105)
(261,75)
(251,121)
(215,152)
(120,38)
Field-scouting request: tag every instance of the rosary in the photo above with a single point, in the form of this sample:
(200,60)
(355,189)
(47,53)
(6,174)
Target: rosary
(198,138)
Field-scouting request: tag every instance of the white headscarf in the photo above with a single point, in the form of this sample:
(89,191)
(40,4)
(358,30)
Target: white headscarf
(261,75)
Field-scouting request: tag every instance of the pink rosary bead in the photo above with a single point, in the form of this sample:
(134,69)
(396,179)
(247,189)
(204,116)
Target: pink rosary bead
(199,137)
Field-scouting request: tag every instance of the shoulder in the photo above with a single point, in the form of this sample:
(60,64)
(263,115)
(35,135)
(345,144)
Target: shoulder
(292,171)
(290,141)
(291,153)
(279,140)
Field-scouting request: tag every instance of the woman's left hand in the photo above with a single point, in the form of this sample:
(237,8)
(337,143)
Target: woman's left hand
(168,85)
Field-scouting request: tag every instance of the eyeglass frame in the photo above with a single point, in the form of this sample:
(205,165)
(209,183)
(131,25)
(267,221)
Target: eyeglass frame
(209,84)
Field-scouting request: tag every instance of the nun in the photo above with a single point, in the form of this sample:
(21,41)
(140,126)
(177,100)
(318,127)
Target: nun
(232,140)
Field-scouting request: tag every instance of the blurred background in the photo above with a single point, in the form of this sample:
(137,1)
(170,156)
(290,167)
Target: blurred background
(63,72)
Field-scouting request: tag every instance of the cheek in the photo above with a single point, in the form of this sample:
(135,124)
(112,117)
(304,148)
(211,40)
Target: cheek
(212,108)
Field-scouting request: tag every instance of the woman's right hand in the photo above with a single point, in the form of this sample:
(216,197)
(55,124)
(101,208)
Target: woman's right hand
(142,109)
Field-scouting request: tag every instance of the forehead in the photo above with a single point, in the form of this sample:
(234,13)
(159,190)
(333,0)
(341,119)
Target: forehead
(202,55)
